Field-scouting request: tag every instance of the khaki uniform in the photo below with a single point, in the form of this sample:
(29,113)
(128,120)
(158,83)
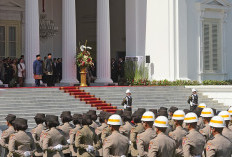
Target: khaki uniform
(65,128)
(178,135)
(227,133)
(168,130)
(21,142)
(206,132)
(133,136)
(99,131)
(115,145)
(126,129)
(193,143)
(72,136)
(86,136)
(36,132)
(143,141)
(52,138)
(94,125)
(105,133)
(200,123)
(5,138)
(162,146)
(172,124)
(42,136)
(219,146)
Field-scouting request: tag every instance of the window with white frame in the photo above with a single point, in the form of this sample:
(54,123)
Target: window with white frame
(212,46)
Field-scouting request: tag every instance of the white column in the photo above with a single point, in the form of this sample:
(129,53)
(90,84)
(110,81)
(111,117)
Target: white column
(69,42)
(103,42)
(32,47)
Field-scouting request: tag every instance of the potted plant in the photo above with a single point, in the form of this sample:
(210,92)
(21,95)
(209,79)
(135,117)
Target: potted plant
(84,60)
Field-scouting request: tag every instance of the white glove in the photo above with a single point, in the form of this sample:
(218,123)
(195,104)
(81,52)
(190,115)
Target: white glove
(58,147)
(124,106)
(123,156)
(90,149)
(130,143)
(27,154)
(68,141)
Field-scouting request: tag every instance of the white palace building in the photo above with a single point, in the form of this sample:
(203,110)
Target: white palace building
(185,39)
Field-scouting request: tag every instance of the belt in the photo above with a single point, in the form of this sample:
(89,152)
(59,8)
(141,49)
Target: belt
(129,106)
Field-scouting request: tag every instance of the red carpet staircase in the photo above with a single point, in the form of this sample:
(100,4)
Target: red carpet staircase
(89,99)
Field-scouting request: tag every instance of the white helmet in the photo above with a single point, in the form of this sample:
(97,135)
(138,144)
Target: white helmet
(217,122)
(148,116)
(161,122)
(207,112)
(178,115)
(194,90)
(115,120)
(225,115)
(190,118)
(128,91)
(202,105)
(230,111)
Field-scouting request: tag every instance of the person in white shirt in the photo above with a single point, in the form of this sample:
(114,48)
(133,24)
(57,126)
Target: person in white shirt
(21,72)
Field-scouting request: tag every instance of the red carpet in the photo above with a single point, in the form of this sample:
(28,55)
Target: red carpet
(89,99)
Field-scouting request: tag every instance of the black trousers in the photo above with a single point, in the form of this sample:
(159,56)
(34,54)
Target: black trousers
(49,80)
(67,155)
(192,108)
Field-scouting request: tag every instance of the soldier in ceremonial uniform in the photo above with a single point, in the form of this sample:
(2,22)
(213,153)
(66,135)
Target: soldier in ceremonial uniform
(66,118)
(218,145)
(194,142)
(116,144)
(179,132)
(144,138)
(86,139)
(226,131)
(207,114)
(6,134)
(126,128)
(127,101)
(138,129)
(93,116)
(21,143)
(36,133)
(54,141)
(193,100)
(103,118)
(170,114)
(162,145)
(77,119)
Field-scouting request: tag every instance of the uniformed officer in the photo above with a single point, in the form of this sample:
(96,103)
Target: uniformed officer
(163,112)
(36,132)
(86,139)
(226,131)
(219,145)
(66,118)
(170,114)
(127,101)
(77,119)
(93,116)
(162,145)
(44,132)
(193,143)
(138,129)
(6,134)
(179,132)
(116,144)
(103,120)
(200,123)
(54,141)
(144,138)
(21,143)
(193,100)
(126,128)
(207,114)
(106,131)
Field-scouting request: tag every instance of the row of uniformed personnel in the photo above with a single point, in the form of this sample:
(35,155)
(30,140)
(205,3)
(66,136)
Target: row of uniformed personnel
(122,134)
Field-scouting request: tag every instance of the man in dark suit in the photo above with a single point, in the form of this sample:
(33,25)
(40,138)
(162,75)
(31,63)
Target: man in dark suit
(114,70)
(37,70)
